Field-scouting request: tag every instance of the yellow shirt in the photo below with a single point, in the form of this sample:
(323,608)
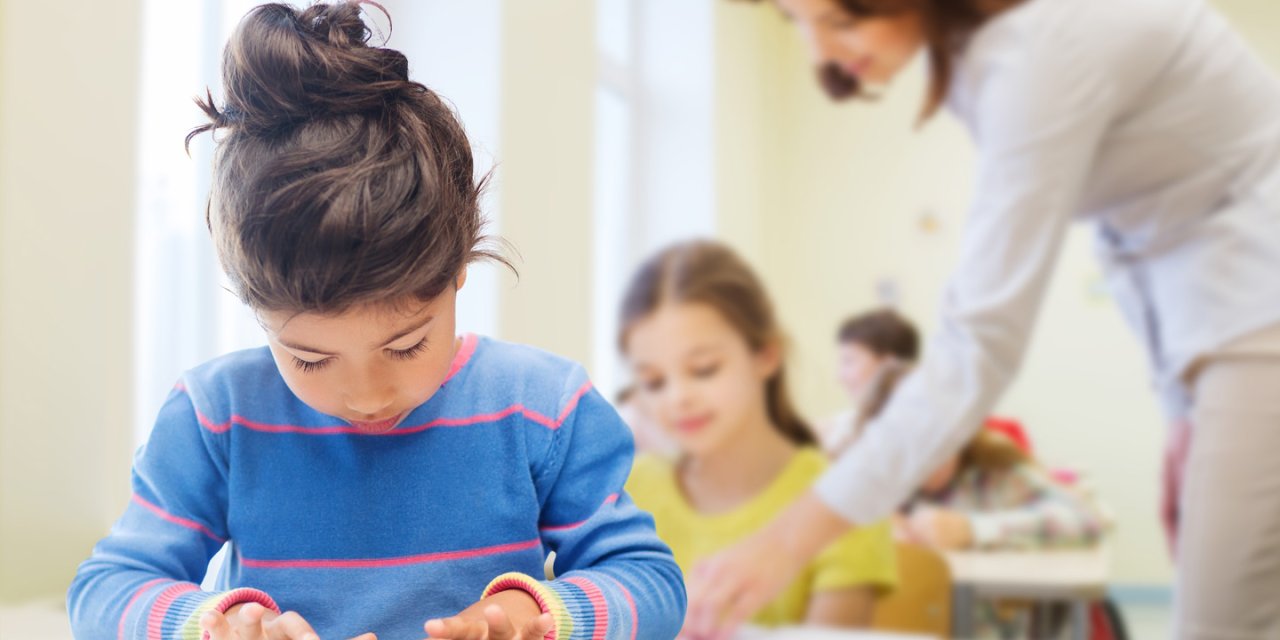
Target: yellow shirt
(862,558)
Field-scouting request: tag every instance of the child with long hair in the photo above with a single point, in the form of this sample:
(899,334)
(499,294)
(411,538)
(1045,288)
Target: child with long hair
(865,344)
(372,470)
(707,355)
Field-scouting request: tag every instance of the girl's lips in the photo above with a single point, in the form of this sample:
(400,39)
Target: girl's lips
(858,69)
(377,426)
(691,425)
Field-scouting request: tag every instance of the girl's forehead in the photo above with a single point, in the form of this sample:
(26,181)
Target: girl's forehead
(355,326)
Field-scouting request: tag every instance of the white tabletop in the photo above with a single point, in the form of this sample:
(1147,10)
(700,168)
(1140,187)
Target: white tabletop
(821,633)
(1068,573)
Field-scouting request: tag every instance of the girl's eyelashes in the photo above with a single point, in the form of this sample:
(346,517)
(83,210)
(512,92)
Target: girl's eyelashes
(308,367)
(399,354)
(653,384)
(410,353)
(706,371)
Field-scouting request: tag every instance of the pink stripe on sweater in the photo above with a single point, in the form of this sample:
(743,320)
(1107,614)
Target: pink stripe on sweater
(613,497)
(155,621)
(463,356)
(221,427)
(598,604)
(137,594)
(190,524)
(375,563)
(631,602)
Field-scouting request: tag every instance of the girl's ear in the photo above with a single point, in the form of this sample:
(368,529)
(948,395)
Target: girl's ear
(769,359)
(462,279)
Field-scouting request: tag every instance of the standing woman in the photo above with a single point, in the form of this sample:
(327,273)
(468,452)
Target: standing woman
(1152,120)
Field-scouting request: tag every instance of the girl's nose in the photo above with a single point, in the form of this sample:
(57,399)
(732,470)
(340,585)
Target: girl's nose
(820,44)
(367,405)
(369,397)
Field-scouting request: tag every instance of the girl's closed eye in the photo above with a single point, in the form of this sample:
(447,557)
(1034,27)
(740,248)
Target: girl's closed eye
(653,384)
(706,370)
(410,353)
(308,366)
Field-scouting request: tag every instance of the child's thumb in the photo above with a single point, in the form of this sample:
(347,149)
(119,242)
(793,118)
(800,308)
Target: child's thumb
(537,628)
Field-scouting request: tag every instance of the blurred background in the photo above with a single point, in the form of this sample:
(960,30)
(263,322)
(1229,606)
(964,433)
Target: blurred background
(613,127)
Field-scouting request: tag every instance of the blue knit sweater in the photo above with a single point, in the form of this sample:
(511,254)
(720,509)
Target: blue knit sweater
(516,455)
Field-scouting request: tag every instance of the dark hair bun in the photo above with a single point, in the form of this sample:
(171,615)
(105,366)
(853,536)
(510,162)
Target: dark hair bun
(282,67)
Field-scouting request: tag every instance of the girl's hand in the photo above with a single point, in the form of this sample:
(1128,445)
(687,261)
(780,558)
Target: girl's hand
(253,621)
(728,588)
(942,529)
(902,531)
(507,615)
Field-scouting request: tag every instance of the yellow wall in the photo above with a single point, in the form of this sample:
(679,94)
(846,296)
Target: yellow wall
(544,172)
(68,123)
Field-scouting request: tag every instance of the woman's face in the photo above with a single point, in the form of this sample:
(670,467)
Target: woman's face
(697,376)
(856,368)
(871,48)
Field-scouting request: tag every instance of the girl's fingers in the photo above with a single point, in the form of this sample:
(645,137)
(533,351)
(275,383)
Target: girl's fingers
(365,636)
(216,624)
(500,627)
(289,626)
(537,628)
(456,628)
(247,622)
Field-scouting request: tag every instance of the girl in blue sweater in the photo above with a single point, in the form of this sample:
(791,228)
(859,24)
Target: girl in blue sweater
(369,470)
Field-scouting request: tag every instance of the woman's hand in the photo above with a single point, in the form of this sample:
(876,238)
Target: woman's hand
(252,621)
(731,586)
(507,615)
(1176,449)
(942,529)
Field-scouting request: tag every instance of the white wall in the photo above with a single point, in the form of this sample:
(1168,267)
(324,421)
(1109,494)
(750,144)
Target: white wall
(67,149)
(829,201)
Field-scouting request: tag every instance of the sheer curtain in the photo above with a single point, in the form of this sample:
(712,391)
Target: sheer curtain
(655,148)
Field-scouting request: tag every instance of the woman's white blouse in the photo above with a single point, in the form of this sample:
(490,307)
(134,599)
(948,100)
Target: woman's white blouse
(1151,119)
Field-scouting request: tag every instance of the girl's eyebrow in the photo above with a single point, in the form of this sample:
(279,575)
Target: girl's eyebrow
(321,352)
(704,349)
(299,347)
(407,331)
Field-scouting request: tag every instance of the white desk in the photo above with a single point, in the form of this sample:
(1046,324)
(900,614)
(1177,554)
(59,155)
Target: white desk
(819,633)
(1075,577)
(35,621)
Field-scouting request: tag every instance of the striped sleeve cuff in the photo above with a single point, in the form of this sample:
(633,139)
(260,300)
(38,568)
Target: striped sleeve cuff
(192,609)
(546,597)
(582,607)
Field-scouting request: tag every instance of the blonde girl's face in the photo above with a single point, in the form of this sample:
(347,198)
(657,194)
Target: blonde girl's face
(697,376)
(369,366)
(872,48)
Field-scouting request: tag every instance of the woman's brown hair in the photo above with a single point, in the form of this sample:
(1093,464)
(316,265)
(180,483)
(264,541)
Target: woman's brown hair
(947,25)
(710,273)
(337,181)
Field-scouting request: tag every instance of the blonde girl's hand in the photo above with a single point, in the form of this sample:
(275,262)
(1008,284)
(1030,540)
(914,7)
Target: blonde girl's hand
(507,615)
(902,531)
(253,621)
(942,529)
